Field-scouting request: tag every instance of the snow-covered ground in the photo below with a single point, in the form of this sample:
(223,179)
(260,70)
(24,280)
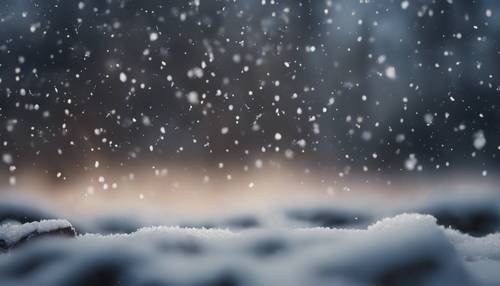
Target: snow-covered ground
(442,240)
(408,249)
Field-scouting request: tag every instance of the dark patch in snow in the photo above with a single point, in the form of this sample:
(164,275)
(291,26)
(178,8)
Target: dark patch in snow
(324,217)
(116,225)
(476,222)
(226,278)
(22,213)
(241,222)
(234,222)
(413,273)
(104,273)
(26,265)
(269,247)
(187,246)
(476,216)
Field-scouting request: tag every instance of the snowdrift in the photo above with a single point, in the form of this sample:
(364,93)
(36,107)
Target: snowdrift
(407,249)
(440,240)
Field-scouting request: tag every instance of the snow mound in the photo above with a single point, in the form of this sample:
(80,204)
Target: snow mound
(408,249)
(12,234)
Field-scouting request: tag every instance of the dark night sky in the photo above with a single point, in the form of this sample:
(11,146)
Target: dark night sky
(385,86)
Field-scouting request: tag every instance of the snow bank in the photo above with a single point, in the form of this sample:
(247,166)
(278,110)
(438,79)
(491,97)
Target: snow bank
(408,249)
(310,243)
(12,234)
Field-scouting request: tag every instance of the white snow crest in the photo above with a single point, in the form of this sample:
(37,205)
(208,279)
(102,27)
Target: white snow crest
(11,233)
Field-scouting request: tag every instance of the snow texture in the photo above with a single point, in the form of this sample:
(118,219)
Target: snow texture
(450,239)
(13,233)
(408,249)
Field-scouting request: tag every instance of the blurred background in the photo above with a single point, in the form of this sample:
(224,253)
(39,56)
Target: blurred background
(193,95)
